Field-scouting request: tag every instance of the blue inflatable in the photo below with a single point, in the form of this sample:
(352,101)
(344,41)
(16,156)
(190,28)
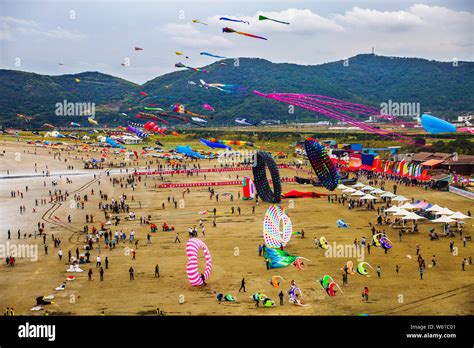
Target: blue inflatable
(435,125)
(341,224)
(186,150)
(214,145)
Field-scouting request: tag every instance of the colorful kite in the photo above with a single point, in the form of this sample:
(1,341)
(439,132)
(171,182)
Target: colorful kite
(214,145)
(138,49)
(192,269)
(186,150)
(178,53)
(362,270)
(322,164)
(74,124)
(341,224)
(144,94)
(181,65)
(274,238)
(262,161)
(230,30)
(248,188)
(91,120)
(211,55)
(234,89)
(233,20)
(278,259)
(208,107)
(435,125)
(262,18)
(275,281)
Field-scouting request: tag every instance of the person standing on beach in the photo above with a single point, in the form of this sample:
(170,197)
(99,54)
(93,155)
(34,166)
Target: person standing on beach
(60,254)
(106,262)
(397,268)
(176,239)
(157,271)
(89,274)
(242,285)
(101,272)
(131,271)
(379,271)
(280,295)
(421,272)
(203,280)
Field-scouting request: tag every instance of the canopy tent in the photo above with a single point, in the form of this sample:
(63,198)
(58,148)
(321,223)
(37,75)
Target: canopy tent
(367,188)
(358,193)
(392,209)
(445,211)
(358,185)
(388,194)
(349,190)
(342,187)
(400,199)
(434,208)
(407,206)
(413,216)
(377,191)
(459,216)
(402,212)
(368,197)
(444,219)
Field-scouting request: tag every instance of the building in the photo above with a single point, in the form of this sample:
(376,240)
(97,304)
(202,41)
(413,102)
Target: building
(462,165)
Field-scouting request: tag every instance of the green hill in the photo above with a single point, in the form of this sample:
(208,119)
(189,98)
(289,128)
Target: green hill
(441,88)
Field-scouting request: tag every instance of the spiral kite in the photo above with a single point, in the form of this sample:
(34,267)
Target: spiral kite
(264,159)
(322,164)
(192,249)
(274,238)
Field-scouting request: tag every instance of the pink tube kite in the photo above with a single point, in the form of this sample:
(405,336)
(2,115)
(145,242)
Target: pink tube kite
(192,269)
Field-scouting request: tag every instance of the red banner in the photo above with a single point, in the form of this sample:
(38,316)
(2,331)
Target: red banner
(212,183)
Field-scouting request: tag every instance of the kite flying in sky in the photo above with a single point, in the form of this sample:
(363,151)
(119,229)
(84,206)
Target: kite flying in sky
(230,30)
(198,21)
(181,65)
(211,55)
(262,18)
(233,20)
(138,49)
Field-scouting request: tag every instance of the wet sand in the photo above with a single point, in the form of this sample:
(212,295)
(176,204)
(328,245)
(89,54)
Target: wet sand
(445,289)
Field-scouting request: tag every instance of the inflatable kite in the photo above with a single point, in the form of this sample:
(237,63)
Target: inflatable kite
(186,150)
(198,21)
(138,132)
(230,30)
(362,270)
(214,145)
(275,281)
(274,238)
(350,267)
(262,18)
(341,224)
(299,194)
(181,65)
(323,243)
(329,285)
(379,240)
(178,53)
(294,297)
(208,107)
(227,298)
(435,125)
(263,160)
(266,301)
(322,164)
(278,259)
(248,188)
(74,124)
(192,248)
(138,49)
(224,87)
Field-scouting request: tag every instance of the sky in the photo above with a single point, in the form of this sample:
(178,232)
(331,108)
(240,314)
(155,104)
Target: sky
(65,37)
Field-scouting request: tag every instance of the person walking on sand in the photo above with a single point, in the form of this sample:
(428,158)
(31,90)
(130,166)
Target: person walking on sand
(176,239)
(106,262)
(60,254)
(379,271)
(418,249)
(242,285)
(89,274)
(421,272)
(397,268)
(157,271)
(101,272)
(280,295)
(131,271)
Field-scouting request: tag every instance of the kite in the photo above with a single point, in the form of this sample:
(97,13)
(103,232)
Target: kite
(262,18)
(176,134)
(329,284)
(211,55)
(362,270)
(192,248)
(299,194)
(227,298)
(138,132)
(113,143)
(274,281)
(198,120)
(138,49)
(350,267)
(278,258)
(233,20)
(234,142)
(266,301)
(186,150)
(435,125)
(145,94)
(248,188)
(150,117)
(323,243)
(48,125)
(228,88)
(152,127)
(322,164)
(198,21)
(152,108)
(214,145)
(178,53)
(77,80)
(230,30)
(208,107)
(244,122)
(274,238)
(181,65)
(74,124)
(91,120)
(341,224)
(263,160)
(379,240)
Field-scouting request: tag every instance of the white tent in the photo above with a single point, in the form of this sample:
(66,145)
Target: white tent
(367,188)
(358,193)
(349,190)
(402,212)
(444,219)
(377,191)
(388,195)
(392,209)
(341,187)
(435,207)
(407,206)
(412,216)
(400,199)
(459,216)
(358,185)
(368,197)
(445,211)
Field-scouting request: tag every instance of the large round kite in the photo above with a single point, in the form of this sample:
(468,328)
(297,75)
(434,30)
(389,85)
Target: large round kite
(263,160)
(322,164)
(192,249)
(274,238)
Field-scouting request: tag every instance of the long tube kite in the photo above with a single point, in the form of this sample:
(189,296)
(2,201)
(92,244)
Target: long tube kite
(230,30)
(211,55)
(233,20)
(181,65)
(262,18)
(199,22)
